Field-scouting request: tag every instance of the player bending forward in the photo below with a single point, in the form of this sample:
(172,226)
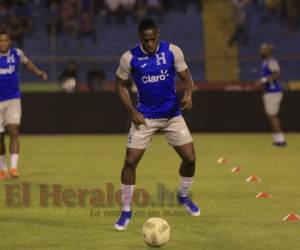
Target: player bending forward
(152,66)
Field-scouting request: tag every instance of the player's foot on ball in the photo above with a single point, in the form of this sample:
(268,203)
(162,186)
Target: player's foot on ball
(4,175)
(192,208)
(123,221)
(279,144)
(14,173)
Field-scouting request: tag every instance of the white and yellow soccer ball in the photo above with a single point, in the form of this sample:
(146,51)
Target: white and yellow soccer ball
(156,232)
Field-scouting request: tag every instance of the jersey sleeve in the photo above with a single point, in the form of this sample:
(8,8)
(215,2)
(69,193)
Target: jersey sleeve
(179,62)
(124,69)
(274,65)
(24,59)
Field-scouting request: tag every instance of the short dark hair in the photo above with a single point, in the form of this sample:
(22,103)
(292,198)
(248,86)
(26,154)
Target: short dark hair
(5,31)
(147,24)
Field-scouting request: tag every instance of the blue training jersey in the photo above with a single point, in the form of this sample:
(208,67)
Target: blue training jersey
(154,76)
(268,67)
(9,76)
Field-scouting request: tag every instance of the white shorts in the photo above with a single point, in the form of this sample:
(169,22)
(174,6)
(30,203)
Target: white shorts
(175,130)
(10,113)
(272,102)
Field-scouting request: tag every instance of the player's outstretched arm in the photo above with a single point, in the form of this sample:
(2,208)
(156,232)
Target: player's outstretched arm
(122,91)
(35,70)
(30,65)
(186,100)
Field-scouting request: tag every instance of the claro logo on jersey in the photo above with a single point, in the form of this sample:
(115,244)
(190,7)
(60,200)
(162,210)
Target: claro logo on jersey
(5,71)
(156,78)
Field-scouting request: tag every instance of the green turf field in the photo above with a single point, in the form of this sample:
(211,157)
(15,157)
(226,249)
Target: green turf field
(232,218)
(41,87)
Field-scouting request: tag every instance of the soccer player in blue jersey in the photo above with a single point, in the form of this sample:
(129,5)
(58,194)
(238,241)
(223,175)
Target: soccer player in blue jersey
(10,105)
(272,96)
(152,65)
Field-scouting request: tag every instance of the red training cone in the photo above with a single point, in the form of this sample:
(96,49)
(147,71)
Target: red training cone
(263,195)
(253,178)
(236,170)
(221,160)
(291,217)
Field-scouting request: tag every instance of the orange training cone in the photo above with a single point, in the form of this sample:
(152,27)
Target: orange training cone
(253,178)
(263,195)
(291,217)
(221,160)
(236,170)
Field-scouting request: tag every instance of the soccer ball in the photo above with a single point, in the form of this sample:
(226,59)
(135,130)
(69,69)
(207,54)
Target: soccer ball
(156,232)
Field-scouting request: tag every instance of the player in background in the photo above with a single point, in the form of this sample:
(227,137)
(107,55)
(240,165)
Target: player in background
(10,104)
(273,92)
(152,65)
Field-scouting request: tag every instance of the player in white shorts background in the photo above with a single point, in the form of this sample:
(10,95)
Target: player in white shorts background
(152,65)
(273,92)
(10,104)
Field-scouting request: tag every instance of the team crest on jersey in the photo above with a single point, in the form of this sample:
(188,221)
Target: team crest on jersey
(10,59)
(161,58)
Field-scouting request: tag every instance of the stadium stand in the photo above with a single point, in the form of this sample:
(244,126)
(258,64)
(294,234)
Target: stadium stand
(181,22)
(180,27)
(276,31)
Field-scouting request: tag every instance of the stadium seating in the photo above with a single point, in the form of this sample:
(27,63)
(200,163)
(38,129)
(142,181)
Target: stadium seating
(183,29)
(275,31)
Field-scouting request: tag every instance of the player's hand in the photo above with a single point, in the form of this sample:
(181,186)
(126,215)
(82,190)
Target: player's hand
(137,118)
(43,75)
(258,85)
(186,103)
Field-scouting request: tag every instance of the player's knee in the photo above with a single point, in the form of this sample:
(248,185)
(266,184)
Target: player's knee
(190,160)
(13,132)
(130,163)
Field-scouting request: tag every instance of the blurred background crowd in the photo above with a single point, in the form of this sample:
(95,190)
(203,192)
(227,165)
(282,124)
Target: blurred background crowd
(85,38)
